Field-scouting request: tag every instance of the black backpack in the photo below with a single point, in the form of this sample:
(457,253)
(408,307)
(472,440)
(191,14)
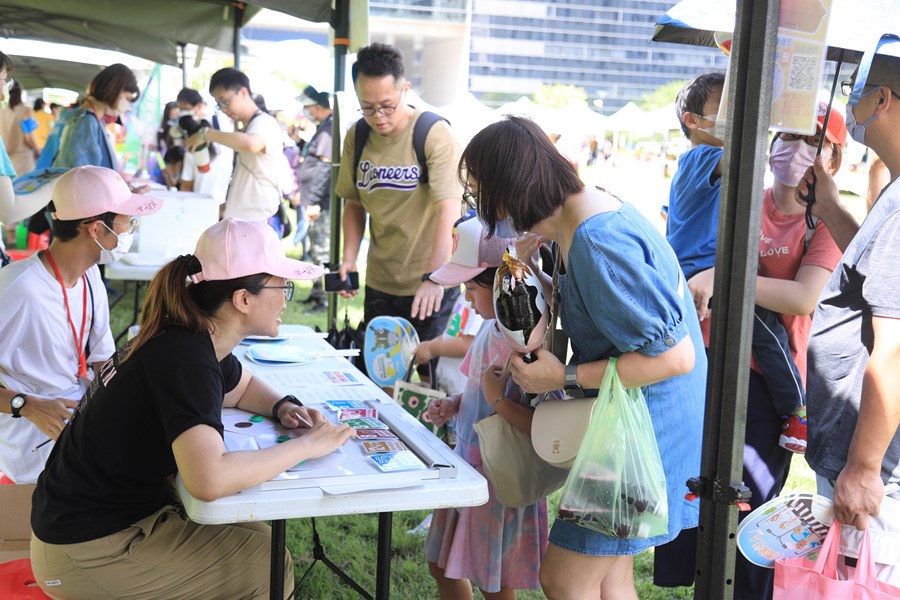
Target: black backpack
(420,131)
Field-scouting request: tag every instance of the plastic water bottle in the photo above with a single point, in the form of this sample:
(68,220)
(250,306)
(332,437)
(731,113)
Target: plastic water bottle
(201,157)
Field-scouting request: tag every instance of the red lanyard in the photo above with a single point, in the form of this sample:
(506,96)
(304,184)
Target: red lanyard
(79,339)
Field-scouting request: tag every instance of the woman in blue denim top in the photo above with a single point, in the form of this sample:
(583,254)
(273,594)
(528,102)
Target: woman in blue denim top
(624,296)
(84,139)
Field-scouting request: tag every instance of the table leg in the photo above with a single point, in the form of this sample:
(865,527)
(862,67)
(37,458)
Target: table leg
(276,568)
(136,309)
(383,560)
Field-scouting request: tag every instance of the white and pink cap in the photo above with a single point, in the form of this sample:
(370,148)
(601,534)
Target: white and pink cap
(473,252)
(90,191)
(234,248)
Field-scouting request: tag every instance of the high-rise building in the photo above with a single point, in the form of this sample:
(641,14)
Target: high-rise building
(601,45)
(502,49)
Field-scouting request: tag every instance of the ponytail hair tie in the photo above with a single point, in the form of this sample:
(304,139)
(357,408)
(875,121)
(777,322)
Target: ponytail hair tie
(192,265)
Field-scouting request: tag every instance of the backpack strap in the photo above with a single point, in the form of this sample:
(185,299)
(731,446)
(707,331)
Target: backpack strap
(809,234)
(420,132)
(359,142)
(423,125)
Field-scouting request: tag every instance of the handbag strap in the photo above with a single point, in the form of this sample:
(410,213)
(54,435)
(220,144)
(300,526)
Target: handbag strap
(555,340)
(554,337)
(411,367)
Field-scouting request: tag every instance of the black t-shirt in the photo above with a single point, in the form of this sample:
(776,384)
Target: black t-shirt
(110,467)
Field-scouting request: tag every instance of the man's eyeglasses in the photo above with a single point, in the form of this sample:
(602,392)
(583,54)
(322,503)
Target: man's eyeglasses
(847,88)
(369,111)
(224,103)
(132,225)
(288,288)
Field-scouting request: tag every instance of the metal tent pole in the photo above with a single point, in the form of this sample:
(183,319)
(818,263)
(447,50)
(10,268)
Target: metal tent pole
(182,59)
(340,22)
(737,256)
(238,23)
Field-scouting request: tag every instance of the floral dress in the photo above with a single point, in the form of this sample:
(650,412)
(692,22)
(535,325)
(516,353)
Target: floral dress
(492,545)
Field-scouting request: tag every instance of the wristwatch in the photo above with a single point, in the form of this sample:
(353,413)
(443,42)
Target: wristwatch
(426,276)
(572,387)
(289,398)
(16,404)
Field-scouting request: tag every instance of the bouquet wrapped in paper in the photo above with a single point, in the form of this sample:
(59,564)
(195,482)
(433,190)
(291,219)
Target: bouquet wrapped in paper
(522,310)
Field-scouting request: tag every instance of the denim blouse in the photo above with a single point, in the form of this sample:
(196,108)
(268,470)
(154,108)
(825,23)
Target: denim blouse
(624,292)
(84,142)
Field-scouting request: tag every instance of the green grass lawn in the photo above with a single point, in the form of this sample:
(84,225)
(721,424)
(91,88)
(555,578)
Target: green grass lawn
(350,541)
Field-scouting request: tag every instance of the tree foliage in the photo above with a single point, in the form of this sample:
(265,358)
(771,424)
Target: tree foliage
(560,96)
(661,96)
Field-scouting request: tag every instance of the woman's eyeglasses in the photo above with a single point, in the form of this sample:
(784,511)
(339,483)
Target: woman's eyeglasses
(810,140)
(288,288)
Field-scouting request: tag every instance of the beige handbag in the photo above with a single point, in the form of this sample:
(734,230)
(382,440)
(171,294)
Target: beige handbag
(519,476)
(558,427)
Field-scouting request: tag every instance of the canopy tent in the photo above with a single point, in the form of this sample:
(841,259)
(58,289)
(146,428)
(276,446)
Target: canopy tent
(151,30)
(468,116)
(627,118)
(663,119)
(551,120)
(582,118)
(854,25)
(39,72)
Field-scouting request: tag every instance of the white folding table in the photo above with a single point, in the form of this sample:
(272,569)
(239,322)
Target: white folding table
(447,482)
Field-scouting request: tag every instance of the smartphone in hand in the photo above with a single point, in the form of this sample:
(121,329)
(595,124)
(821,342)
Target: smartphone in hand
(334,284)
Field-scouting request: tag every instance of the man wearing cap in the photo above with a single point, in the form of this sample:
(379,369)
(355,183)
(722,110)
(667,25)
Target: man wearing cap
(409,220)
(255,192)
(54,313)
(314,177)
(854,344)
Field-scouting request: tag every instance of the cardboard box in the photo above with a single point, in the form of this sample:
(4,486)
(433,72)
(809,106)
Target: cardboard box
(15,521)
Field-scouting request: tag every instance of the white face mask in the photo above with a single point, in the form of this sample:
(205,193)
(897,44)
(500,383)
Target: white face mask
(716,131)
(790,160)
(123,106)
(123,245)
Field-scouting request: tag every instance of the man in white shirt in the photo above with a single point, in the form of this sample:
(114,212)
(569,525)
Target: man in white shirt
(54,315)
(255,192)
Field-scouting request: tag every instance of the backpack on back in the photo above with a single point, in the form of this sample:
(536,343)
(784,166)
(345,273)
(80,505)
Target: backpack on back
(420,131)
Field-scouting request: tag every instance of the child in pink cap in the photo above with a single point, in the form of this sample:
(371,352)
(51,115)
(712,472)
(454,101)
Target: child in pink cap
(496,547)
(154,410)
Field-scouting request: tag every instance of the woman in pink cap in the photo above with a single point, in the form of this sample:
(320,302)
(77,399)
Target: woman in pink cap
(105,519)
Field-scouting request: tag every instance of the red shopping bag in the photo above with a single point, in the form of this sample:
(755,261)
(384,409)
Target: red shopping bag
(804,579)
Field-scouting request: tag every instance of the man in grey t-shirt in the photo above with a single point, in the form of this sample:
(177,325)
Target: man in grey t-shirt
(853,387)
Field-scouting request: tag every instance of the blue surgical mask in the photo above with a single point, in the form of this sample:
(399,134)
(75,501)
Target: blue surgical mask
(504,228)
(856,130)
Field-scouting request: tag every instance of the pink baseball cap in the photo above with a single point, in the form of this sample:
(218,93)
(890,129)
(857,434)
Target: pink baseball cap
(234,248)
(473,252)
(92,191)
